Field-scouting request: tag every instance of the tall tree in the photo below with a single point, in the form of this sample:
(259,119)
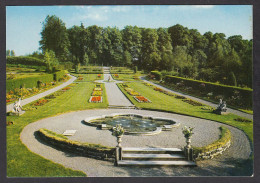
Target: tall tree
(95,43)
(12,53)
(8,53)
(165,49)
(150,57)
(132,42)
(55,37)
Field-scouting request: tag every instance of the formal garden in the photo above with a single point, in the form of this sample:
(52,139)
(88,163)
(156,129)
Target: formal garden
(129,109)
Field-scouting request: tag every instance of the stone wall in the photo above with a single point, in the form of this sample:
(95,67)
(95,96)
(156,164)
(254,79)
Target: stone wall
(80,149)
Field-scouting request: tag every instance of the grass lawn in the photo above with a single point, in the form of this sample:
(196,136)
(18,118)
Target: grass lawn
(23,163)
(164,102)
(88,77)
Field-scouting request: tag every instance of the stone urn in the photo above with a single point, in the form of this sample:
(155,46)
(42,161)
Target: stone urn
(119,140)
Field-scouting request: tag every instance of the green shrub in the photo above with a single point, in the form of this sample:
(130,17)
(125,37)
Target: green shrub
(157,74)
(58,75)
(25,60)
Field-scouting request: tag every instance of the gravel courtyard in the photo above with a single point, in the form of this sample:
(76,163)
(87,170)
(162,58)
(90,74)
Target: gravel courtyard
(230,163)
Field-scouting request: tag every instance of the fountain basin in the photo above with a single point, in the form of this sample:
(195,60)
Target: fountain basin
(134,124)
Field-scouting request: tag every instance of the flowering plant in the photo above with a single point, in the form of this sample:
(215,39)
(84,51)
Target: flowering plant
(187,131)
(118,131)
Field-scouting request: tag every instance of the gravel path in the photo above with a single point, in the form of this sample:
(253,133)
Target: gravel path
(223,165)
(239,113)
(43,94)
(114,95)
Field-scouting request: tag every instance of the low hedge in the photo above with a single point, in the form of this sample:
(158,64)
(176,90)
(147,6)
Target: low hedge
(224,139)
(25,60)
(245,94)
(86,149)
(58,75)
(30,82)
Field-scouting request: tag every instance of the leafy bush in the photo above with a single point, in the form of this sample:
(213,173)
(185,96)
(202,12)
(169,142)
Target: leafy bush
(157,74)
(58,75)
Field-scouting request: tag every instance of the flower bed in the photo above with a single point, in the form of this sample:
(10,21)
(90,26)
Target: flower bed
(147,84)
(40,102)
(96,99)
(96,93)
(66,88)
(133,93)
(97,89)
(99,75)
(142,99)
(124,85)
(116,76)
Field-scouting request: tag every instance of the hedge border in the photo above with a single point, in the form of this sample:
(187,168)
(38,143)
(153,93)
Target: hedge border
(30,82)
(95,151)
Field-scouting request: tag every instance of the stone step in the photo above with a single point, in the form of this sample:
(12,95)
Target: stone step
(155,163)
(149,150)
(154,157)
(120,107)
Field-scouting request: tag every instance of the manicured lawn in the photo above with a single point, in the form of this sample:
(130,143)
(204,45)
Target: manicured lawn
(22,162)
(164,102)
(88,77)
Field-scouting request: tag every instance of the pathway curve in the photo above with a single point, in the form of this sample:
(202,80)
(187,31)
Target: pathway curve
(239,113)
(43,94)
(223,165)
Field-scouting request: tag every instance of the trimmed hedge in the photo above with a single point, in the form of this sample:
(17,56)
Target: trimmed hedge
(31,82)
(28,82)
(246,94)
(157,74)
(96,151)
(58,75)
(25,60)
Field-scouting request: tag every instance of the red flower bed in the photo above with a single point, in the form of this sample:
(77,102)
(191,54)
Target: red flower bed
(96,99)
(65,89)
(141,99)
(40,102)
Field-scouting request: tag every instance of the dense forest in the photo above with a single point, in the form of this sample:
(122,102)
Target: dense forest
(178,50)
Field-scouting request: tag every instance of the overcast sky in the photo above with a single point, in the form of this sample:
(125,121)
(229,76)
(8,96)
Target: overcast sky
(24,23)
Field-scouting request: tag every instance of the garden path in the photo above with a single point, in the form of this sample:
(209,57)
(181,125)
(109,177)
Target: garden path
(237,112)
(9,107)
(230,163)
(114,95)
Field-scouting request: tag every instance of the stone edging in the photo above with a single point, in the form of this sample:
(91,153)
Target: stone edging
(211,154)
(78,147)
(217,147)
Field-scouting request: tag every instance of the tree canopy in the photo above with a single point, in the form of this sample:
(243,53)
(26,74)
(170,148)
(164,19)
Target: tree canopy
(187,52)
